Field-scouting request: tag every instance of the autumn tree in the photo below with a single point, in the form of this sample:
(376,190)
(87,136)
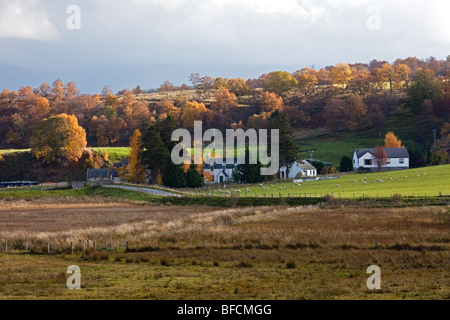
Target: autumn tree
(324,78)
(341,74)
(224,101)
(306,79)
(379,157)
(279,82)
(59,138)
(388,75)
(239,87)
(270,102)
(344,114)
(391,141)
(193,111)
(136,171)
(167,108)
(166,86)
(360,82)
(258,121)
(402,72)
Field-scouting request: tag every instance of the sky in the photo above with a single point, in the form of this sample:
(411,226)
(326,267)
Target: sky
(144,42)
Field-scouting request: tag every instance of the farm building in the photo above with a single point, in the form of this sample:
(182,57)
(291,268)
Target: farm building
(364,159)
(114,176)
(222,172)
(299,169)
(97,175)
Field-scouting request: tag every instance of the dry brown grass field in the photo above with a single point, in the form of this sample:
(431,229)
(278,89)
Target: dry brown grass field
(210,253)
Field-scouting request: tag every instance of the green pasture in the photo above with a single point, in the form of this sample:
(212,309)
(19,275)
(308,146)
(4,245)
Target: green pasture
(435,182)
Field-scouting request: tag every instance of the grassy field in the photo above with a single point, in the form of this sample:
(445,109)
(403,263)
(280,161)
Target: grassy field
(332,149)
(272,253)
(115,154)
(4,151)
(435,182)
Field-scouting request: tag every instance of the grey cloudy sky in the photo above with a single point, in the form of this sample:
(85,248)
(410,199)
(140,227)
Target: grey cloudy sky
(126,43)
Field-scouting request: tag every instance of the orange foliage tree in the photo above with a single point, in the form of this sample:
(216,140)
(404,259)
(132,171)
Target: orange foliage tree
(391,141)
(271,101)
(136,171)
(224,101)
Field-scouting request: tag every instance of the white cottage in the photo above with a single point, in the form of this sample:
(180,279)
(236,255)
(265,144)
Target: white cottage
(222,172)
(397,159)
(299,169)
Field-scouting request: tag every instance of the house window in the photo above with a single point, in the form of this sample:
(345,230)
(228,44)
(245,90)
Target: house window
(401,160)
(368,162)
(388,161)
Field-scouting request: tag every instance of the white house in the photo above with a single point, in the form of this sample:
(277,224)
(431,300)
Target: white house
(299,169)
(222,172)
(397,159)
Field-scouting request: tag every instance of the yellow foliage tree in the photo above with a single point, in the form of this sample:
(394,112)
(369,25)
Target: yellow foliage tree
(391,141)
(341,74)
(193,111)
(60,138)
(76,142)
(136,171)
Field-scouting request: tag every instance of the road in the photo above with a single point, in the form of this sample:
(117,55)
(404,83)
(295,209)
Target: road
(155,192)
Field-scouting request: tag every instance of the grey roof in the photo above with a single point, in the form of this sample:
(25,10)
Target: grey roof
(97,173)
(305,165)
(329,164)
(390,152)
(226,164)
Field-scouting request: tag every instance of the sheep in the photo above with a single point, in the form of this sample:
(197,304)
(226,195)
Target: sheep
(355,181)
(406,177)
(364,183)
(373,181)
(424,174)
(271,185)
(337,185)
(418,176)
(379,180)
(390,179)
(280,188)
(397,179)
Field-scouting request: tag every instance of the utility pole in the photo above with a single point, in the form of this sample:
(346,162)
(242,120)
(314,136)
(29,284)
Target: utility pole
(434,131)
